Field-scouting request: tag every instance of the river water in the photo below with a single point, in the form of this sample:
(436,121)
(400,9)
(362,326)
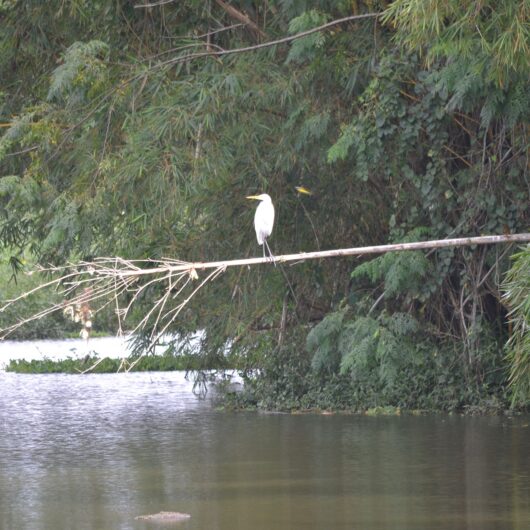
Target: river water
(95,451)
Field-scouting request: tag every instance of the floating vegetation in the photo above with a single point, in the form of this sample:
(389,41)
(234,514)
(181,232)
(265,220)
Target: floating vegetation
(101,365)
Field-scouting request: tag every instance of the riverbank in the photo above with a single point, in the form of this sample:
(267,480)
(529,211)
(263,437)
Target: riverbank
(241,399)
(293,389)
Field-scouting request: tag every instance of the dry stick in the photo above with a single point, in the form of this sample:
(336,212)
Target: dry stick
(166,297)
(238,15)
(138,292)
(182,48)
(117,310)
(141,288)
(181,306)
(44,312)
(144,320)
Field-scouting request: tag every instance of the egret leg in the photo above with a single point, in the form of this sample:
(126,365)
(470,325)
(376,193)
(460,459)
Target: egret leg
(271,255)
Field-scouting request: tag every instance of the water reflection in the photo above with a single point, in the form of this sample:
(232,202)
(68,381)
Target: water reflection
(94,451)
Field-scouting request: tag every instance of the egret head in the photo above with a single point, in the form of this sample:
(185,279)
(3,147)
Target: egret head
(263,197)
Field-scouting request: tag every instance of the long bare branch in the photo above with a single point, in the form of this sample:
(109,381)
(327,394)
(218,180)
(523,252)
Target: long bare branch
(108,278)
(356,251)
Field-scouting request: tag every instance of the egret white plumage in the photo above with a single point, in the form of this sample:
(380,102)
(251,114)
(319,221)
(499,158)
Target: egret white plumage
(263,220)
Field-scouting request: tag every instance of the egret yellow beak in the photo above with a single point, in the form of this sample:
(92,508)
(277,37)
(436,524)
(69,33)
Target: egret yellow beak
(303,190)
(255,197)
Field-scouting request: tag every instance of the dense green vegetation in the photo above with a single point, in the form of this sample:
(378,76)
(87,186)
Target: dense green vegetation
(517,287)
(122,134)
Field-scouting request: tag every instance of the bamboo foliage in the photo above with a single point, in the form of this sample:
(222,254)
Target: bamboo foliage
(517,296)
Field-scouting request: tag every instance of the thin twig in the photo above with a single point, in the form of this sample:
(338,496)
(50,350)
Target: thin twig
(268,44)
(155,4)
(216,31)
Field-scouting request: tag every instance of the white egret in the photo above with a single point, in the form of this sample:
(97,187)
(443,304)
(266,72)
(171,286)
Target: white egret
(263,220)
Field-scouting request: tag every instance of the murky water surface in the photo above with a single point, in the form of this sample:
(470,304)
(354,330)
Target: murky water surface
(94,451)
